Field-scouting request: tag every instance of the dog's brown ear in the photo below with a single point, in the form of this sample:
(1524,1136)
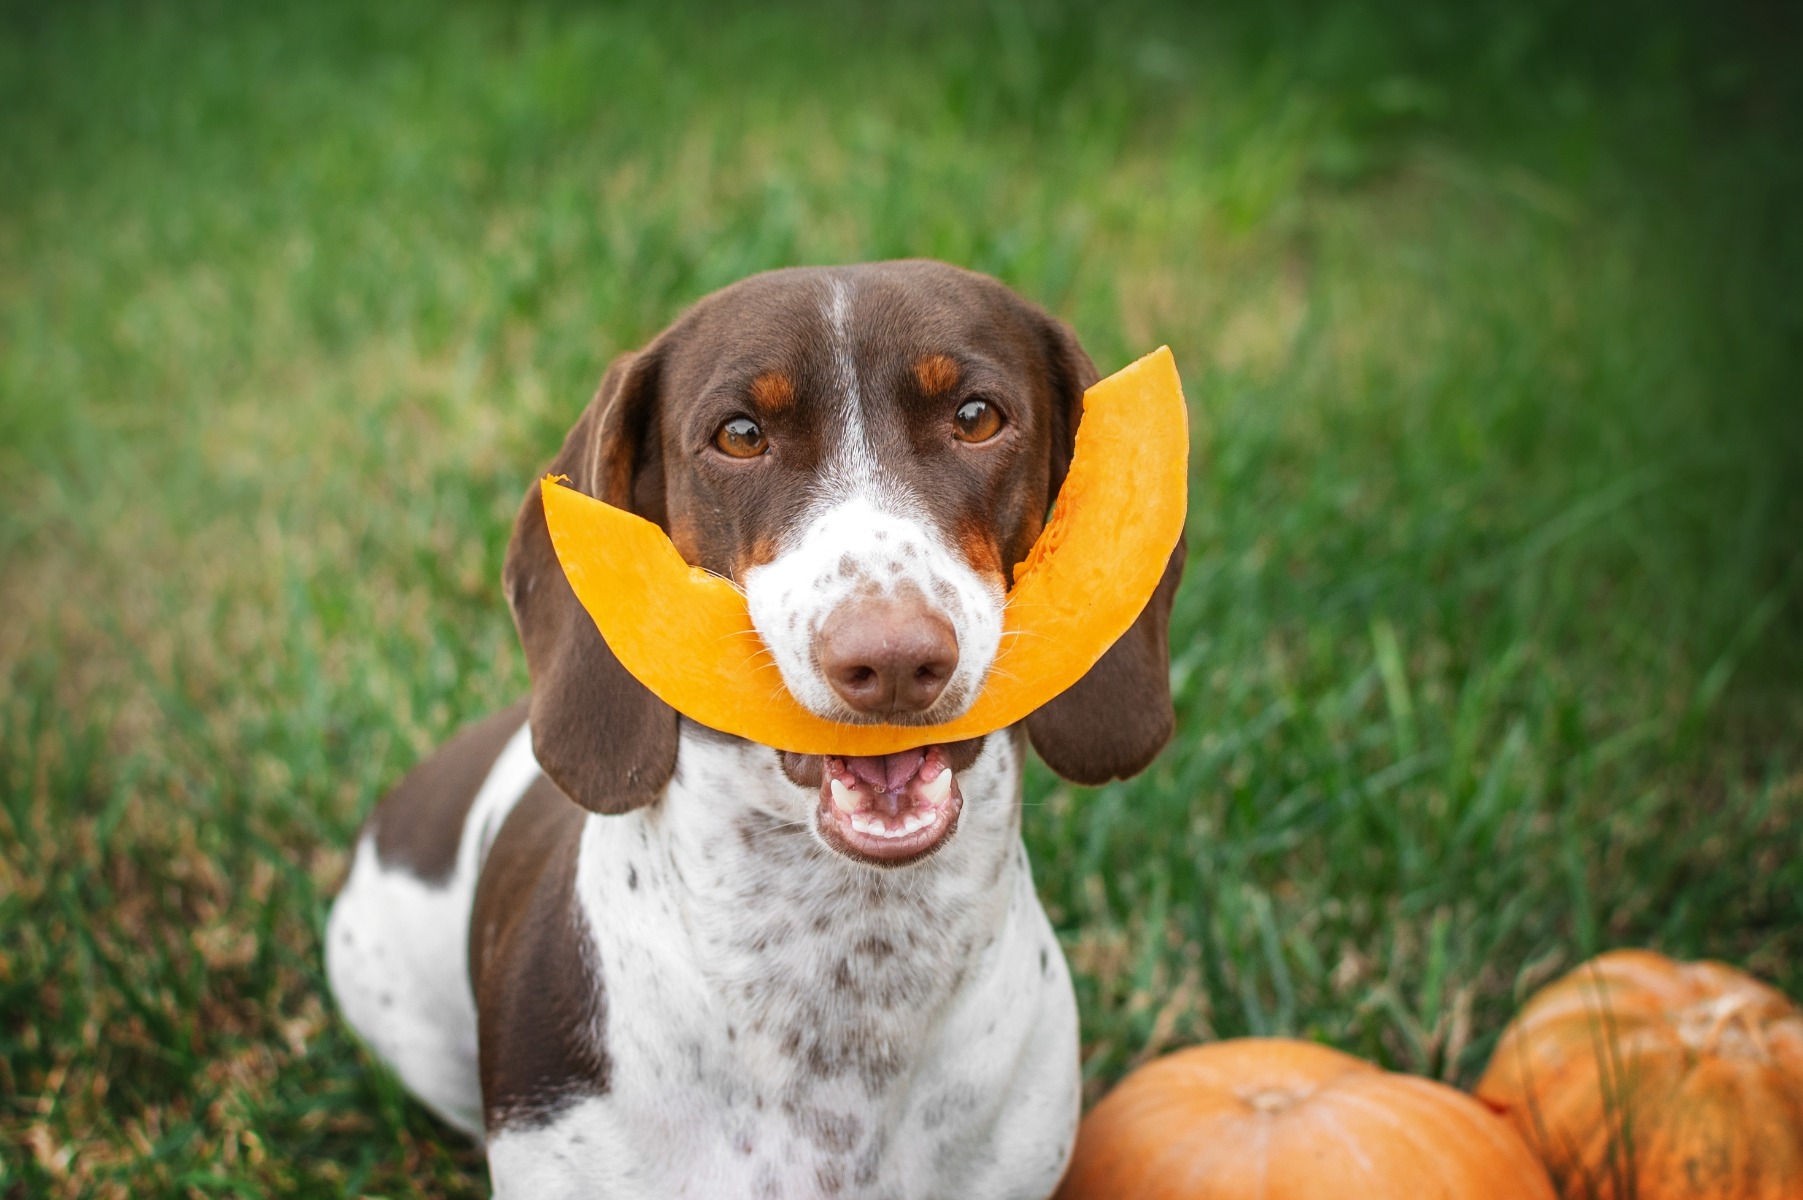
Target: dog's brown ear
(1112,722)
(598,733)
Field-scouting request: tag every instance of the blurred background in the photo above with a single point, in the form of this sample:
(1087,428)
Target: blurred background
(1490,653)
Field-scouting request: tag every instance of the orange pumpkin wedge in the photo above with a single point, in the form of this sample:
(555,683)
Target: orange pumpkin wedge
(686,634)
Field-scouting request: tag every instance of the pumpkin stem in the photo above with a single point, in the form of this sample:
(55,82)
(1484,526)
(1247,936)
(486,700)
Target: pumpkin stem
(1274,1099)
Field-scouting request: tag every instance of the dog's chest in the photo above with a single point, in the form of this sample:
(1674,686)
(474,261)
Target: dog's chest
(778,1023)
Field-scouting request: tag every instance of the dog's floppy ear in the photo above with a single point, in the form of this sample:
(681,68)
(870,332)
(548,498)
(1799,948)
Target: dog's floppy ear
(1112,722)
(598,733)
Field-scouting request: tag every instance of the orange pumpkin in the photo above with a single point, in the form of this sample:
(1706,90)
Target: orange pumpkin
(1639,1078)
(1095,565)
(1275,1119)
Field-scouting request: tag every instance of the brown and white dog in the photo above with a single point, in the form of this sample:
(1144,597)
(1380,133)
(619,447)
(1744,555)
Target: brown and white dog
(642,958)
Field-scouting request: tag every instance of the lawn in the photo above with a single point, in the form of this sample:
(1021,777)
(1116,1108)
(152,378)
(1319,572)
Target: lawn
(1490,651)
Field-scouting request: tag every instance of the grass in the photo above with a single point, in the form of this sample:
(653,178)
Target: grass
(1489,649)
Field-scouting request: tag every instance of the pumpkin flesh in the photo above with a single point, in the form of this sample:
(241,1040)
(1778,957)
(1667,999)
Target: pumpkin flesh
(1114,524)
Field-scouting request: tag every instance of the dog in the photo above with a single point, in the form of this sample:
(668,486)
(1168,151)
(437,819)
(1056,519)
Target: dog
(637,957)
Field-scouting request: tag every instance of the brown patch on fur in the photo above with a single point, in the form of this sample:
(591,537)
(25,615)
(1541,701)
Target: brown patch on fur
(686,538)
(762,550)
(537,985)
(1112,722)
(773,391)
(419,823)
(976,539)
(936,374)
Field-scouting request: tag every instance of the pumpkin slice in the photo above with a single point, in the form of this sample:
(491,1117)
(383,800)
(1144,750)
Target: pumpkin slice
(686,634)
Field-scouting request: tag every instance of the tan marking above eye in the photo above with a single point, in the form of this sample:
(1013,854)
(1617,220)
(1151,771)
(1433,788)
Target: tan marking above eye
(936,374)
(772,391)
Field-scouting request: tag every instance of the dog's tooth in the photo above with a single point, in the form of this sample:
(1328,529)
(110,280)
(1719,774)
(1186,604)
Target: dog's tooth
(844,799)
(915,821)
(863,824)
(936,790)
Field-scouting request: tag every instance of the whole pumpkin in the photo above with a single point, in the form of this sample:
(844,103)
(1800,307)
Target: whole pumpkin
(1275,1119)
(1639,1078)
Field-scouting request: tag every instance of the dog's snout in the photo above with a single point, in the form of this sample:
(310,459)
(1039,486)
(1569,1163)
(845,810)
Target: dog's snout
(888,656)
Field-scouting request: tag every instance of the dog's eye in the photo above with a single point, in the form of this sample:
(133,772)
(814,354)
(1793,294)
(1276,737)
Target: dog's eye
(976,421)
(741,438)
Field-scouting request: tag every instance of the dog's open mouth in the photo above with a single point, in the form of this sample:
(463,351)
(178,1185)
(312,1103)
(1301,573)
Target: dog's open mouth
(889,808)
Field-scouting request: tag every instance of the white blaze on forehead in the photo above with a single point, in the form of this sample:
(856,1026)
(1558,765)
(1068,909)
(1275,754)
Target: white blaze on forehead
(851,465)
(865,534)
(845,367)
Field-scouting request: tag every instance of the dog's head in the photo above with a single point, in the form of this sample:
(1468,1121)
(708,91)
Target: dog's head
(867,451)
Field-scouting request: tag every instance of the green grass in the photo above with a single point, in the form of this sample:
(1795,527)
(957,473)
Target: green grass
(1489,652)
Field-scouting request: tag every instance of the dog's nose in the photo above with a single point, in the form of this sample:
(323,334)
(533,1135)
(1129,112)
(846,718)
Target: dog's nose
(888,656)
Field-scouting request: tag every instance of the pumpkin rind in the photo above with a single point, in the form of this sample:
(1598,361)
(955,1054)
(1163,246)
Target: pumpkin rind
(1637,1076)
(1116,520)
(1277,1119)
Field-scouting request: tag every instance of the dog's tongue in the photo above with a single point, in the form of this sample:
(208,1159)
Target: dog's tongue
(886,772)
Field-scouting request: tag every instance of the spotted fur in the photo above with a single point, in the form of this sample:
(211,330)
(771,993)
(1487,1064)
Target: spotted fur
(783,1022)
(778,1020)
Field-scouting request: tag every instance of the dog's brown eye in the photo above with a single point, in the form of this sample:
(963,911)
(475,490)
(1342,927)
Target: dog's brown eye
(741,438)
(977,421)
